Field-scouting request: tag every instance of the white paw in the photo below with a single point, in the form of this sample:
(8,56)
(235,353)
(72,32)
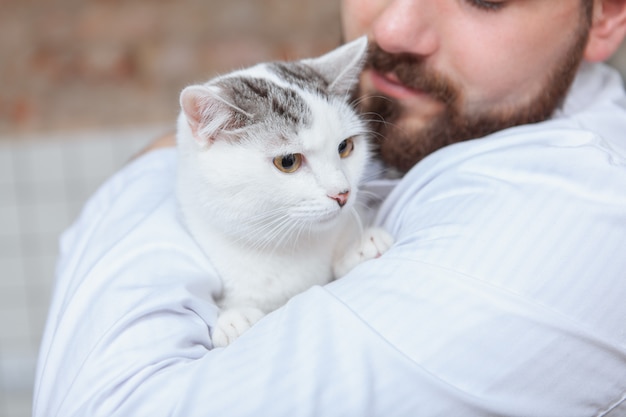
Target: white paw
(232,322)
(374,242)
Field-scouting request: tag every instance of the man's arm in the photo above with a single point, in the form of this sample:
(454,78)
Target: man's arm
(494,301)
(167,141)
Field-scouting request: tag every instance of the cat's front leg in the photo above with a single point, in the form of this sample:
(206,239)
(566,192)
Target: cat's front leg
(373,243)
(232,322)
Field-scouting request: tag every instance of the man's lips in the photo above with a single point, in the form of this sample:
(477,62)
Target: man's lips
(389,85)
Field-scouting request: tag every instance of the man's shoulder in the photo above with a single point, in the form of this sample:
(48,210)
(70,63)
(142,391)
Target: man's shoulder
(545,160)
(598,90)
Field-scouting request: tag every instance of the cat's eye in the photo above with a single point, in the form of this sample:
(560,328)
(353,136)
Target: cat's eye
(288,163)
(346,147)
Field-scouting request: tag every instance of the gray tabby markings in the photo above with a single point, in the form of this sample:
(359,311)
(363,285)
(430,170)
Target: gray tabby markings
(267,102)
(302,76)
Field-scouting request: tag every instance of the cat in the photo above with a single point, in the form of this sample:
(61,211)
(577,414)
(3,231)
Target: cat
(270,159)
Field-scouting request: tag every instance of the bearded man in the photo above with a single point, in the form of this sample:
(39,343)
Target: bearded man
(503,295)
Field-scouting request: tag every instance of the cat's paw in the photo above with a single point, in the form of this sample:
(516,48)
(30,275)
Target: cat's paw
(374,242)
(232,322)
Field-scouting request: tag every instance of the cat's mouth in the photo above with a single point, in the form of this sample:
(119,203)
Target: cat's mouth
(317,217)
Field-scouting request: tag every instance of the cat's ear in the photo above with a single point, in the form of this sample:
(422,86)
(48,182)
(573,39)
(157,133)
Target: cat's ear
(208,113)
(341,67)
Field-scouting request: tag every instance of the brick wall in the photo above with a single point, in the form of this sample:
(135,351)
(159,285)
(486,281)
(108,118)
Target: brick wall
(71,64)
(78,64)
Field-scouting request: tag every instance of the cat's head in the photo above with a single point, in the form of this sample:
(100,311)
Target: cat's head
(277,144)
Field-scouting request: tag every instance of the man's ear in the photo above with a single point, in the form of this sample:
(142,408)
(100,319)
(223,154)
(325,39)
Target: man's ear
(608,29)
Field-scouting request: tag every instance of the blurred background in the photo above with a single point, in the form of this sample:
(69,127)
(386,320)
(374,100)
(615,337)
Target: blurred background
(84,84)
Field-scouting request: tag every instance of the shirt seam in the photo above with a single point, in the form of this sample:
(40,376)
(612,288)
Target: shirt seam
(613,406)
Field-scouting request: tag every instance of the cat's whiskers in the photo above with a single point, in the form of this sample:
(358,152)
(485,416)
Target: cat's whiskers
(356,102)
(354,214)
(273,230)
(299,229)
(261,223)
(364,201)
(284,233)
(377,119)
(278,231)
(373,174)
(372,117)
(362,97)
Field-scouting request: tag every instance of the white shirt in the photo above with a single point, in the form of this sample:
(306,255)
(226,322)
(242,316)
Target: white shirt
(504,294)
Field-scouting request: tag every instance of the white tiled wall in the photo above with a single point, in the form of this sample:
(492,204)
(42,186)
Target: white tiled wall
(43,185)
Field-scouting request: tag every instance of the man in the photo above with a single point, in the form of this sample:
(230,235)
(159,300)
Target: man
(503,295)
(455,80)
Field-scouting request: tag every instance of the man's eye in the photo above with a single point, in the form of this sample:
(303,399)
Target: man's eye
(486,5)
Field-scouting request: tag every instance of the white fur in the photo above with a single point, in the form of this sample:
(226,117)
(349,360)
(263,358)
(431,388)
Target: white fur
(272,234)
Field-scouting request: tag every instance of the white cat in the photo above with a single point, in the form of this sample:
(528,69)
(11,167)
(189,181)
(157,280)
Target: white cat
(270,160)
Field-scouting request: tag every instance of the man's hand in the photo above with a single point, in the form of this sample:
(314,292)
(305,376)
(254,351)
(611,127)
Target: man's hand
(166,141)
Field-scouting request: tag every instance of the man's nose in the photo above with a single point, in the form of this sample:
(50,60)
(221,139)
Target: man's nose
(407,26)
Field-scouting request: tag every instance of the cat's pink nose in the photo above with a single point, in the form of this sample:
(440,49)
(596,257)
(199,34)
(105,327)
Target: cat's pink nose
(341,198)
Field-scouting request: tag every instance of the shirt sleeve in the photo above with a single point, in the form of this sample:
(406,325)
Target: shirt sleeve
(489,303)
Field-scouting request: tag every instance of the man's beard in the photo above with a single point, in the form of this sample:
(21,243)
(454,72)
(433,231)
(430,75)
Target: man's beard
(402,147)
